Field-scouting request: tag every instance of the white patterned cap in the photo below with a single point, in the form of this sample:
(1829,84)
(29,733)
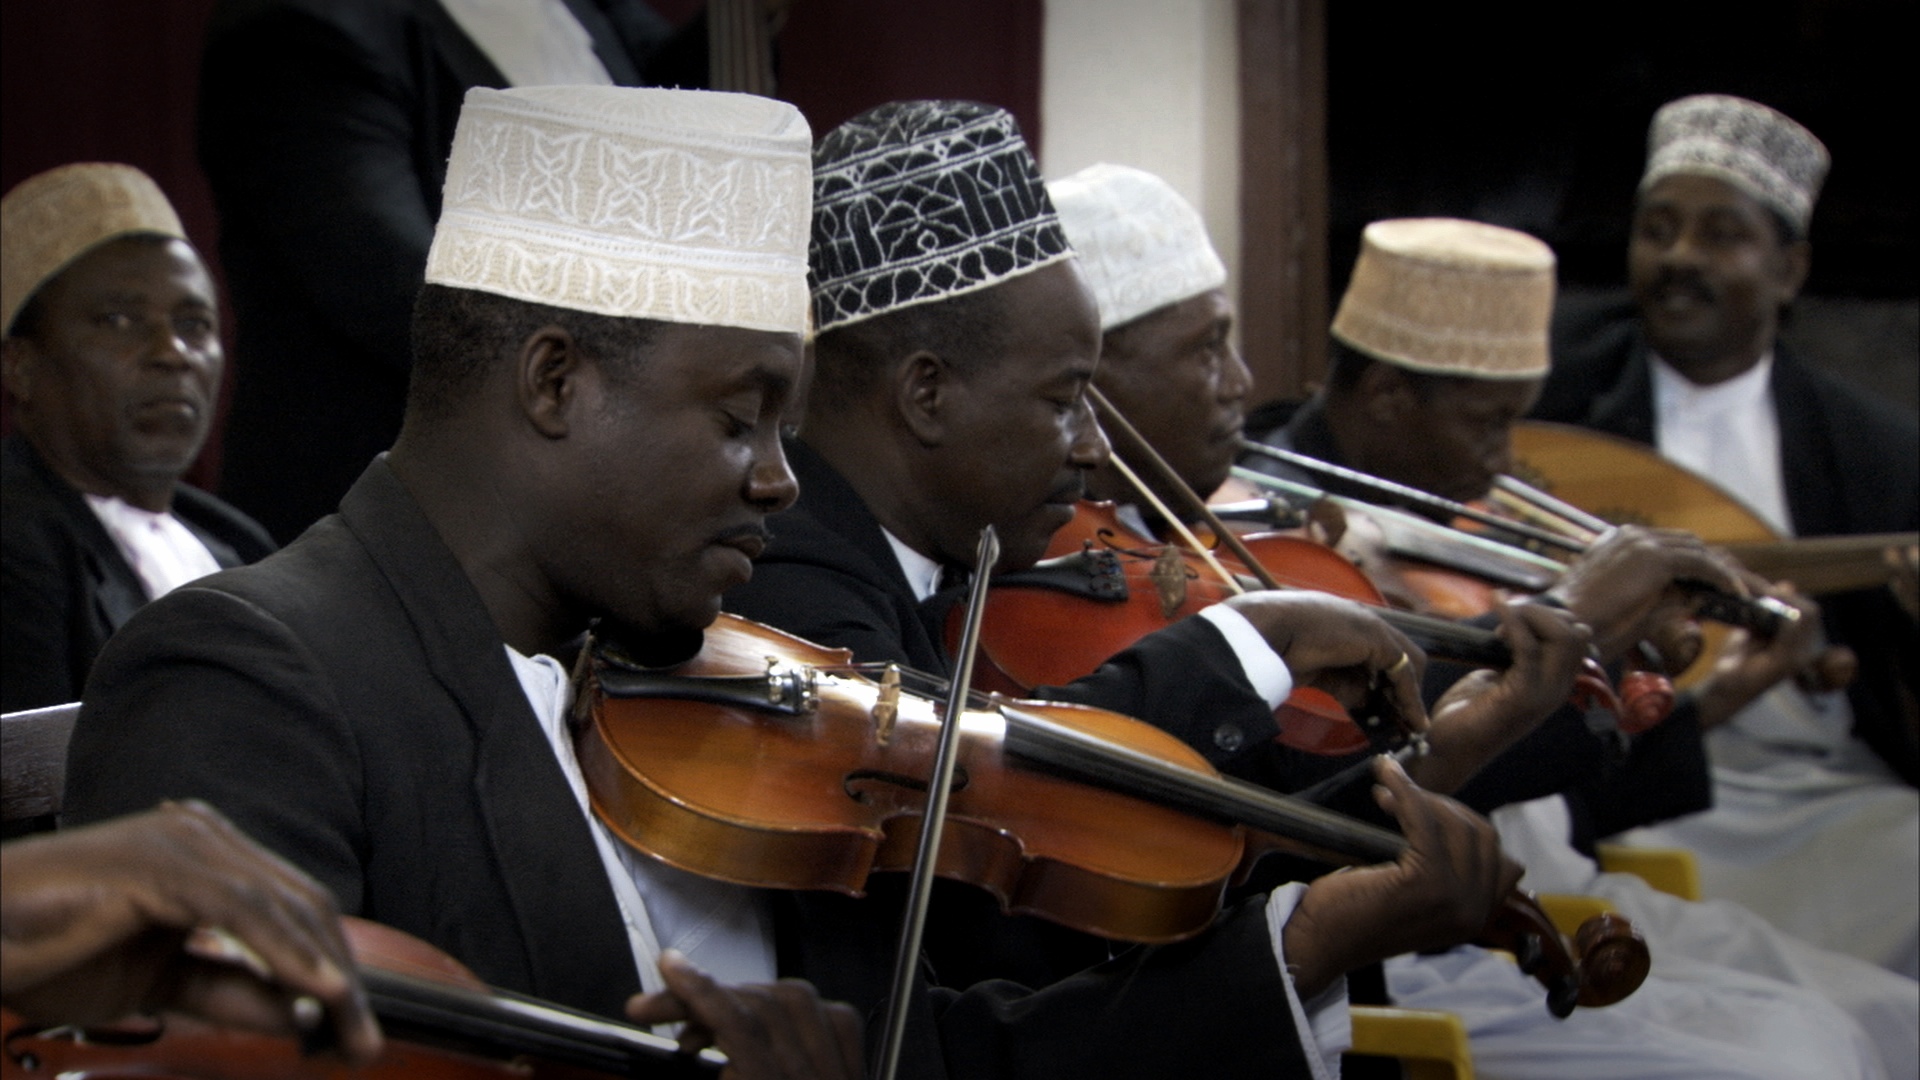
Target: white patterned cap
(680,205)
(918,201)
(1141,245)
(1450,297)
(1756,149)
(49,220)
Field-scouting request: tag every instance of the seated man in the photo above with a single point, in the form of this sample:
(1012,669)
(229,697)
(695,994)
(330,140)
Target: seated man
(1813,789)
(112,363)
(1401,369)
(605,350)
(956,341)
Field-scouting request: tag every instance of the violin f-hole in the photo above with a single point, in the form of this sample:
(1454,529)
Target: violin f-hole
(859,783)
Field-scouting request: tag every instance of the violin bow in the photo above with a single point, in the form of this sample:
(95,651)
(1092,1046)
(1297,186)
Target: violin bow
(933,823)
(1412,494)
(1112,417)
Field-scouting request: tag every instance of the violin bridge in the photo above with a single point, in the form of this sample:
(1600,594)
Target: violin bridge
(886,707)
(1170,580)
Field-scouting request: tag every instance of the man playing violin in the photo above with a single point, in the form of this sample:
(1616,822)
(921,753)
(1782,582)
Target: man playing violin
(1409,402)
(592,434)
(956,340)
(1718,248)
(604,351)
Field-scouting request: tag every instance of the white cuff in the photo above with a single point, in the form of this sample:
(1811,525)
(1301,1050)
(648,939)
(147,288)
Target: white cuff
(1265,670)
(1324,1024)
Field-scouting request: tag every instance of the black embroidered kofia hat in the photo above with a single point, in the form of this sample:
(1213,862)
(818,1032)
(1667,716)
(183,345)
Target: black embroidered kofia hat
(917,201)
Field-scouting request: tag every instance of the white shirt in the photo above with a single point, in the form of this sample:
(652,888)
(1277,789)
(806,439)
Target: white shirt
(723,929)
(1727,432)
(1324,1024)
(532,42)
(162,551)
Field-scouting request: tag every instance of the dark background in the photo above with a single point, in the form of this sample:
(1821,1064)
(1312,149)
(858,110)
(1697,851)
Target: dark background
(1535,116)
(1530,115)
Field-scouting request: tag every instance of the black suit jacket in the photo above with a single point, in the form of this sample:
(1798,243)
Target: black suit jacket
(324,128)
(66,586)
(1849,464)
(349,704)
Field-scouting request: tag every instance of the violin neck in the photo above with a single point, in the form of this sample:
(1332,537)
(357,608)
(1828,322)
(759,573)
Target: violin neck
(500,1023)
(1097,761)
(1450,640)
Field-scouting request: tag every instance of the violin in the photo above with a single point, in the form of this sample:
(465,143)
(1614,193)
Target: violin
(771,762)
(1056,622)
(440,1020)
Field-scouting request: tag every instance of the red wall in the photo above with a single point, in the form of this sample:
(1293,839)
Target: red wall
(115,80)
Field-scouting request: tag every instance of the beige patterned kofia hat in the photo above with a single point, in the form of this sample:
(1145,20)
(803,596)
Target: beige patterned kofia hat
(1450,297)
(1762,152)
(48,221)
(680,205)
(1140,244)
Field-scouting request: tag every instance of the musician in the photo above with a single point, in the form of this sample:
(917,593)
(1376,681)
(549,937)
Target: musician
(955,342)
(173,910)
(1718,248)
(592,433)
(111,361)
(605,351)
(1424,348)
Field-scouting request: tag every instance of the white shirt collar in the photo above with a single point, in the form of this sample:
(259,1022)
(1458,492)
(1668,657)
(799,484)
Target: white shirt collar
(923,574)
(1674,392)
(159,548)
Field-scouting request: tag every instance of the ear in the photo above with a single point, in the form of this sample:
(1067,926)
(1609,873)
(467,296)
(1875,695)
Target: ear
(924,389)
(1795,260)
(547,372)
(18,359)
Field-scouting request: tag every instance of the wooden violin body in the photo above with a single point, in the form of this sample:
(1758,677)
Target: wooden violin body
(766,762)
(822,796)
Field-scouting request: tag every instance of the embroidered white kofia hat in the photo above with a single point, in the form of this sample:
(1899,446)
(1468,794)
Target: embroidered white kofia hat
(918,201)
(1756,149)
(680,205)
(1450,297)
(1140,244)
(49,220)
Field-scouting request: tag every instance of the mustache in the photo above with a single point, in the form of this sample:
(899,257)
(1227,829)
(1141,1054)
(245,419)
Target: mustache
(1690,282)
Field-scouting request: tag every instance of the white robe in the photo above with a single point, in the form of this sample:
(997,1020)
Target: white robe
(1809,828)
(1721,972)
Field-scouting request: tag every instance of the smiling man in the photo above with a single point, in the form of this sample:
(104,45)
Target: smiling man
(112,364)
(1718,248)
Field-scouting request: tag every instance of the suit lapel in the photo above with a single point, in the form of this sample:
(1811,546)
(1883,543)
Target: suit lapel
(835,504)
(464,59)
(1626,407)
(542,847)
(116,590)
(606,42)
(1809,470)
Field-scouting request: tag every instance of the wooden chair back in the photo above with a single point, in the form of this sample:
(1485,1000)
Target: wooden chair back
(33,766)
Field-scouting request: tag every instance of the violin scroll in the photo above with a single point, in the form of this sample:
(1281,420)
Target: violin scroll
(1613,959)
(1606,961)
